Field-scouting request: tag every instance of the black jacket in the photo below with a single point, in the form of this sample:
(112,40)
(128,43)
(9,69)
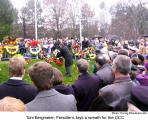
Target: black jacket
(85,44)
(18,89)
(64,52)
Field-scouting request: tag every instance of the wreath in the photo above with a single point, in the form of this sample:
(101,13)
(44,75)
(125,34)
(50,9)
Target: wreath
(42,54)
(1,52)
(11,49)
(10,41)
(57,60)
(18,55)
(49,60)
(91,51)
(92,56)
(10,45)
(76,48)
(34,47)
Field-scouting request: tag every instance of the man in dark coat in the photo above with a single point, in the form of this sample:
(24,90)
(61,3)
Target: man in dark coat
(104,72)
(85,44)
(15,86)
(64,52)
(113,97)
(86,87)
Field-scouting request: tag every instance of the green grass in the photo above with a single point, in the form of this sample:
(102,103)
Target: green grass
(4,74)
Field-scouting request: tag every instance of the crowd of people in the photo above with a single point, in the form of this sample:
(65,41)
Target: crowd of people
(119,83)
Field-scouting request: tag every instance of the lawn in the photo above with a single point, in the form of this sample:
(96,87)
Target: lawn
(4,74)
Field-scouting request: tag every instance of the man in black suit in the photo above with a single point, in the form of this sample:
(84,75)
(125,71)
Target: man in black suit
(64,52)
(15,86)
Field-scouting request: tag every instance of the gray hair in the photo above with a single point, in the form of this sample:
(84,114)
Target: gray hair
(123,64)
(82,65)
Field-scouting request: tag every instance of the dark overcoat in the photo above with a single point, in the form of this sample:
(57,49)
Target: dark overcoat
(18,89)
(85,90)
(64,52)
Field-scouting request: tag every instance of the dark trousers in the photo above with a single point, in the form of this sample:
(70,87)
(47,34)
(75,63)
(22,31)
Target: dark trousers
(68,70)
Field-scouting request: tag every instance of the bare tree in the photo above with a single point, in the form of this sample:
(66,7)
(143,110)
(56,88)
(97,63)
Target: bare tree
(28,19)
(56,16)
(88,21)
(129,20)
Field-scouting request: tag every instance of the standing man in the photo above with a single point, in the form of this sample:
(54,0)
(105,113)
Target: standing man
(113,97)
(64,52)
(86,86)
(105,72)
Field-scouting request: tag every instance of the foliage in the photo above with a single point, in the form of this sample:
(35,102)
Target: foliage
(4,74)
(6,18)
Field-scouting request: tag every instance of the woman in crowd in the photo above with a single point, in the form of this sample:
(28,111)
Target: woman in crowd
(143,78)
(58,83)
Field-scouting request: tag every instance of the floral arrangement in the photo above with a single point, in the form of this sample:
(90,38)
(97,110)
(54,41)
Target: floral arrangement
(10,44)
(49,60)
(76,48)
(87,53)
(11,50)
(1,49)
(91,51)
(42,54)
(18,55)
(1,52)
(92,56)
(55,52)
(10,41)
(57,60)
(28,61)
(34,47)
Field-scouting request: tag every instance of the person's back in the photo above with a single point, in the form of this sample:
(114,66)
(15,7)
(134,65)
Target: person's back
(86,87)
(48,99)
(85,90)
(18,89)
(58,83)
(143,78)
(104,72)
(113,97)
(15,86)
(52,100)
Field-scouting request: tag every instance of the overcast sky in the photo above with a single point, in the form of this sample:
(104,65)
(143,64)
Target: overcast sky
(93,3)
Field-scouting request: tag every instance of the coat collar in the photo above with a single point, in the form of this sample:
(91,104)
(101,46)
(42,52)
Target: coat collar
(15,82)
(83,75)
(123,79)
(47,93)
(104,66)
